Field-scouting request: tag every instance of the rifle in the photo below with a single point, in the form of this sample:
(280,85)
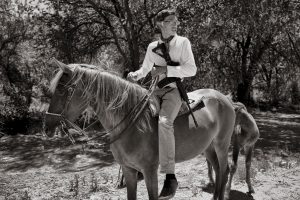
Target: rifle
(162,51)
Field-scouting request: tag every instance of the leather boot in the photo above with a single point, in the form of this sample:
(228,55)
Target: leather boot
(169,189)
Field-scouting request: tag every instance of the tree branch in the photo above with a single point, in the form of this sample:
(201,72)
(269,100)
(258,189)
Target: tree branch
(109,25)
(293,46)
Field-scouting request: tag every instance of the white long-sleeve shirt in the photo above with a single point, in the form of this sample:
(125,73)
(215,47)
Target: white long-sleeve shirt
(180,50)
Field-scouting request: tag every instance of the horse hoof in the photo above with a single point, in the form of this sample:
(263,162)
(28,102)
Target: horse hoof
(121,186)
(251,191)
(209,188)
(226,196)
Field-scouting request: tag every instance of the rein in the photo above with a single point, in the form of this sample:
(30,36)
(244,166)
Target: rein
(62,117)
(136,111)
(144,102)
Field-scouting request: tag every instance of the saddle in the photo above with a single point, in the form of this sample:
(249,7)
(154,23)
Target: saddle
(195,102)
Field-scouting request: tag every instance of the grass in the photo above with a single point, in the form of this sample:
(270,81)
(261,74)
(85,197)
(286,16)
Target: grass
(94,184)
(101,185)
(18,195)
(278,158)
(64,173)
(79,186)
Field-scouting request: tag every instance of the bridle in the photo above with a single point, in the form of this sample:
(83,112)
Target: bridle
(64,122)
(136,111)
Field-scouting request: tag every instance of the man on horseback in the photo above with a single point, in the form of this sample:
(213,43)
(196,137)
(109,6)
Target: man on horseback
(170,59)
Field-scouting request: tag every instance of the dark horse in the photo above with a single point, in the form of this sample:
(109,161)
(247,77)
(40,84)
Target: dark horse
(75,87)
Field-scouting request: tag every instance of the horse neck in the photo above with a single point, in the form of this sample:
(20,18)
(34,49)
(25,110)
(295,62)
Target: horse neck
(241,116)
(121,121)
(112,99)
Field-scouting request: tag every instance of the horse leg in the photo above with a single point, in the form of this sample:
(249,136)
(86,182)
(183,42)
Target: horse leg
(210,173)
(248,153)
(233,167)
(222,175)
(212,158)
(130,175)
(121,182)
(150,176)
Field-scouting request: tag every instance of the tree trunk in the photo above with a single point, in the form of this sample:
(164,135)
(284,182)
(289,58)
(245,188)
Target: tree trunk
(243,92)
(243,88)
(135,55)
(132,38)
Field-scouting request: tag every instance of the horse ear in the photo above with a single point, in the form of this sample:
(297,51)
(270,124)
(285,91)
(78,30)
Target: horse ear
(230,97)
(61,65)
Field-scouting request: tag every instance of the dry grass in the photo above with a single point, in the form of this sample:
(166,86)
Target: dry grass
(47,183)
(35,168)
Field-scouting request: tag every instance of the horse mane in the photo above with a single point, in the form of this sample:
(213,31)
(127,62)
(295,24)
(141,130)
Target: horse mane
(55,80)
(238,106)
(111,94)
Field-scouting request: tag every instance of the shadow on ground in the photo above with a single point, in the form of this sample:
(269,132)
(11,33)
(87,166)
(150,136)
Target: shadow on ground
(24,152)
(237,195)
(278,130)
(234,194)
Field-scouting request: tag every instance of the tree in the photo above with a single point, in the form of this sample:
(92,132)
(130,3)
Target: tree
(17,74)
(236,36)
(81,28)
(12,35)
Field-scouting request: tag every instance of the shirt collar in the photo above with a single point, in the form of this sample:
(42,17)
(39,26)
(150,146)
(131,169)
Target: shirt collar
(171,41)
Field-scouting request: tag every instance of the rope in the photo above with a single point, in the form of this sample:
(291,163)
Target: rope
(144,101)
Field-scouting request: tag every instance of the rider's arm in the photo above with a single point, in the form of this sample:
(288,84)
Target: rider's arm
(187,65)
(147,64)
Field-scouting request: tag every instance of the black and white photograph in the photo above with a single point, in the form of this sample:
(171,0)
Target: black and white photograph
(149,99)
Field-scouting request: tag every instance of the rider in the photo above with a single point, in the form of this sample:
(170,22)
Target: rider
(171,56)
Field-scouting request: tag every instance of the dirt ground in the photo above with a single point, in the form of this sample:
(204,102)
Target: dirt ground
(33,168)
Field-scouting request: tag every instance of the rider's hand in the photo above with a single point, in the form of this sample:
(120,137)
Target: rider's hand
(132,76)
(158,70)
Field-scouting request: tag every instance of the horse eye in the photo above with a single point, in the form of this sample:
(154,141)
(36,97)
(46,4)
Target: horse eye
(70,89)
(60,92)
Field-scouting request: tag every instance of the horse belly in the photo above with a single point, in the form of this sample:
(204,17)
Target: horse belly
(191,141)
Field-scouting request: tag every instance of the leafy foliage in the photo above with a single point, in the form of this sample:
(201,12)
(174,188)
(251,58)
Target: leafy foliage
(16,92)
(233,38)
(20,69)
(248,48)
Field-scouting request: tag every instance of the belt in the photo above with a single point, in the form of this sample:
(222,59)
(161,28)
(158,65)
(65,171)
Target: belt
(167,81)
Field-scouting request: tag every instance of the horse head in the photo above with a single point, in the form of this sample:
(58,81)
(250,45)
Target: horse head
(65,105)
(240,110)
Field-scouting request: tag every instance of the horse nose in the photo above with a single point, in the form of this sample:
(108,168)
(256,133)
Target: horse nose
(49,127)
(47,131)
